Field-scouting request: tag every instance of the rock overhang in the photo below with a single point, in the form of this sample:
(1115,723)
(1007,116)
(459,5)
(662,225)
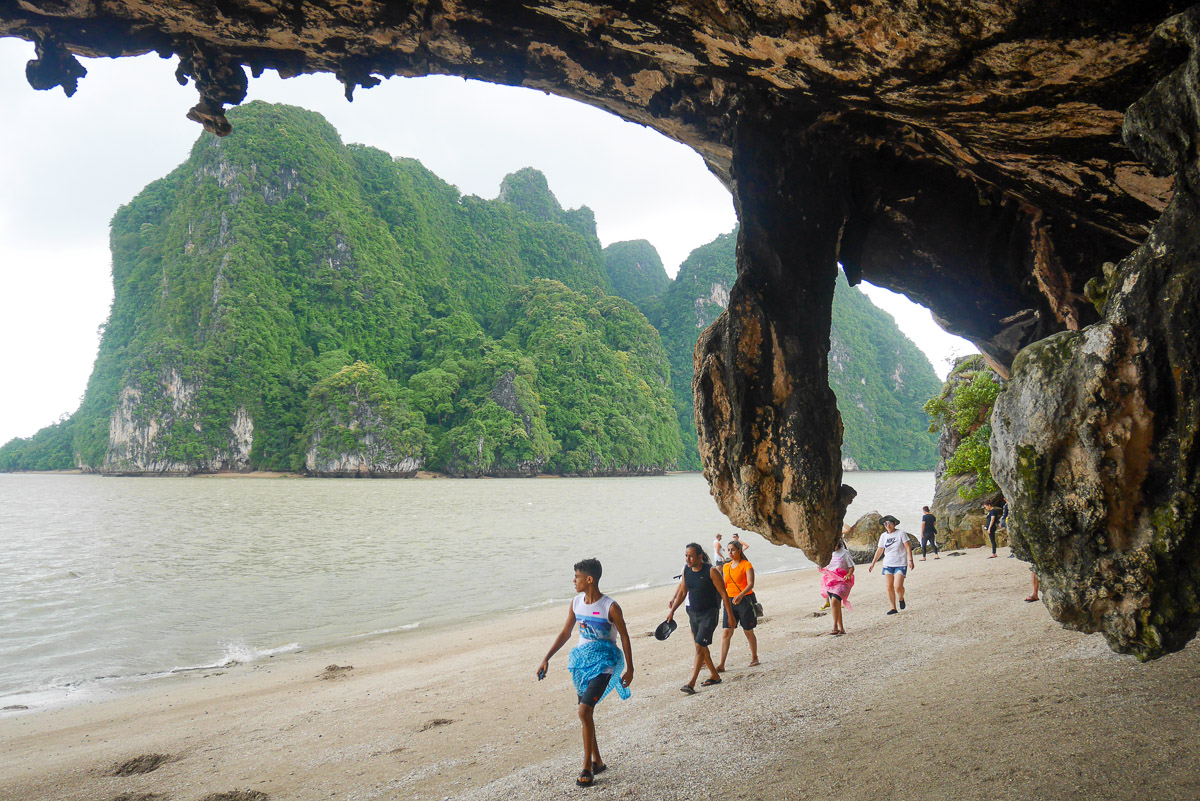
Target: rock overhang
(968,154)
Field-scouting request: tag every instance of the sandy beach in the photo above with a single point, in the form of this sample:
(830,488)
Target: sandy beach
(970,693)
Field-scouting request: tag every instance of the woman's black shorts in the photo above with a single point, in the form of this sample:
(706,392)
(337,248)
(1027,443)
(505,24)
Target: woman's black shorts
(743,615)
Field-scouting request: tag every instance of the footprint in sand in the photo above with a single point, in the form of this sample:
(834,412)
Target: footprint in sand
(433,724)
(237,795)
(140,764)
(335,672)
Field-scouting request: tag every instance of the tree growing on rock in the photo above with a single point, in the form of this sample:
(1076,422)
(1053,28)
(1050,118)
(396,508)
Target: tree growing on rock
(960,414)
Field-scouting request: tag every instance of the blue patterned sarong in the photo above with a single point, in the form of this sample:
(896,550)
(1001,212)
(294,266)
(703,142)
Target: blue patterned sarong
(591,658)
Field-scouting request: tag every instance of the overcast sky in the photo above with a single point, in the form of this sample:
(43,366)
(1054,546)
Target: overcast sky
(67,164)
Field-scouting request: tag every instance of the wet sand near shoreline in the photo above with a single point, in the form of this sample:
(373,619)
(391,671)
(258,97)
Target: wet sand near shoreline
(969,693)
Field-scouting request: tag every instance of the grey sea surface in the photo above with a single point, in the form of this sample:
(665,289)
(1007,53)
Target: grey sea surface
(110,581)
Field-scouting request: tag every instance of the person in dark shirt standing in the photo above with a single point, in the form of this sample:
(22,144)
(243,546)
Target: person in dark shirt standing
(704,588)
(991,522)
(928,533)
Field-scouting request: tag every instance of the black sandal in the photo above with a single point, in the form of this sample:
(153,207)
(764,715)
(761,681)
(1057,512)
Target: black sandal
(585,778)
(599,767)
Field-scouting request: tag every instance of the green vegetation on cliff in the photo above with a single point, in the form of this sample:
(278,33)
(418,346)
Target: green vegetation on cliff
(963,408)
(286,302)
(281,293)
(880,378)
(693,300)
(360,412)
(636,273)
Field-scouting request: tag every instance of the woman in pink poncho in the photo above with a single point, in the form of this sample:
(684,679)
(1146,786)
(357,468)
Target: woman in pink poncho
(837,578)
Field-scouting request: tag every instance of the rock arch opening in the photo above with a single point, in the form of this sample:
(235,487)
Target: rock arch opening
(970,157)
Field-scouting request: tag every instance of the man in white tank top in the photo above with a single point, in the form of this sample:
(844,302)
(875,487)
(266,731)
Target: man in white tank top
(595,659)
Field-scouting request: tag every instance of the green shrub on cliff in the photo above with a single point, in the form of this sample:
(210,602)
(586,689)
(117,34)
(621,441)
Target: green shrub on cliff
(603,376)
(359,410)
(636,273)
(964,406)
(49,449)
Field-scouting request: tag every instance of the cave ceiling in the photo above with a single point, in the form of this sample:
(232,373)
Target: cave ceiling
(968,154)
(983,139)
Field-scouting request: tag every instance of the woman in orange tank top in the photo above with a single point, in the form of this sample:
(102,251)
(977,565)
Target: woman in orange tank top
(739,584)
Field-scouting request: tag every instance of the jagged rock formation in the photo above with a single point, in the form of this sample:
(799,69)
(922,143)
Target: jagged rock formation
(140,433)
(960,521)
(866,530)
(1095,440)
(968,155)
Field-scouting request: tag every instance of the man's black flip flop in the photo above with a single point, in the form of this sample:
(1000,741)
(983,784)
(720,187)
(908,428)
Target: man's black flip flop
(585,778)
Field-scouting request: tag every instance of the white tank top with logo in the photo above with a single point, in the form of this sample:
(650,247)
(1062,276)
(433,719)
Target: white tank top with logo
(593,619)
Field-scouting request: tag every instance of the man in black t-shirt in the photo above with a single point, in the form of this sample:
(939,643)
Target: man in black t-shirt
(704,587)
(928,533)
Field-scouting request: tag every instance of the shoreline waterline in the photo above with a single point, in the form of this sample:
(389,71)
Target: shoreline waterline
(459,714)
(133,577)
(46,698)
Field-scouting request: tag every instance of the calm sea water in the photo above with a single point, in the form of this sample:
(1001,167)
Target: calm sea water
(105,581)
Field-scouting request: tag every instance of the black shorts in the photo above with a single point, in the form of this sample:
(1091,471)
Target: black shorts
(703,625)
(595,689)
(743,614)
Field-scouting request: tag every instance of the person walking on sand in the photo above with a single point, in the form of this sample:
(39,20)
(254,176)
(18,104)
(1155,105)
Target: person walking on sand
(738,574)
(738,540)
(895,549)
(837,579)
(929,533)
(718,553)
(704,588)
(845,531)
(991,522)
(595,662)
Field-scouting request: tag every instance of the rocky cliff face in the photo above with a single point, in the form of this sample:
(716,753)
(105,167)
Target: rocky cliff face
(958,497)
(360,427)
(143,433)
(469,459)
(968,155)
(1095,438)
(374,460)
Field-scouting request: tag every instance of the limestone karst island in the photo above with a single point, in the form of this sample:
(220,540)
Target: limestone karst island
(288,304)
(284,302)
